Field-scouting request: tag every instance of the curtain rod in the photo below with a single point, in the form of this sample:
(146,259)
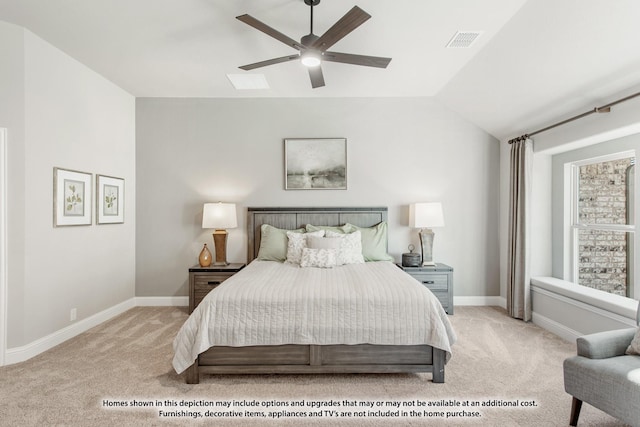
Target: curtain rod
(604,109)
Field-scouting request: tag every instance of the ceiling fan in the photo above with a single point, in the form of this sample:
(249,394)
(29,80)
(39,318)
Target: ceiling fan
(313,49)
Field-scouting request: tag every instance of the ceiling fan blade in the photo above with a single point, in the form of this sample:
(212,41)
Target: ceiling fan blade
(348,58)
(349,22)
(317,79)
(269,62)
(261,26)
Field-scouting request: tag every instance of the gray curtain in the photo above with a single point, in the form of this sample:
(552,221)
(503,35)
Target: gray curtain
(518,274)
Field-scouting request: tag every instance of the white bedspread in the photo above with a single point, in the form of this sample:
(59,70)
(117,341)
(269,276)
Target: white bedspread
(272,303)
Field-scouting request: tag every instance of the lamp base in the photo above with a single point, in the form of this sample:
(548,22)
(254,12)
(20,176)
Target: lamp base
(220,244)
(426,240)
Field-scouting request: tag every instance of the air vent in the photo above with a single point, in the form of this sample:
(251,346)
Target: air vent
(464,38)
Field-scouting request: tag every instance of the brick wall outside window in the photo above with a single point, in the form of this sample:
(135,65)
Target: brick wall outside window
(602,262)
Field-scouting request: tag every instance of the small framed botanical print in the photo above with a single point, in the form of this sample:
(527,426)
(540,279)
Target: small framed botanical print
(109,200)
(71,197)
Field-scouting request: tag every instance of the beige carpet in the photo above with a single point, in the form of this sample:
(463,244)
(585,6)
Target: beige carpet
(496,359)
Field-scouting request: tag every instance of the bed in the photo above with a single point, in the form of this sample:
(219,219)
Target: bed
(209,343)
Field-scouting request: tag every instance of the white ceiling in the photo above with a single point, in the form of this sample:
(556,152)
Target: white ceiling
(536,60)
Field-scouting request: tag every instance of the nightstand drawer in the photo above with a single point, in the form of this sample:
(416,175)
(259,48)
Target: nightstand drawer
(435,282)
(207,281)
(203,280)
(438,279)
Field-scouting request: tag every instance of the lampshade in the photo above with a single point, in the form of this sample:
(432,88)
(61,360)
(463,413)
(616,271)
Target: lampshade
(426,215)
(219,215)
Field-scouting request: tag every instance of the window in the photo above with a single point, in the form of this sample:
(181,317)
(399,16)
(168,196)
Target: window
(603,223)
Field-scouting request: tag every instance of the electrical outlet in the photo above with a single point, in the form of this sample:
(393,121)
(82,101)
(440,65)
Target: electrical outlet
(73,314)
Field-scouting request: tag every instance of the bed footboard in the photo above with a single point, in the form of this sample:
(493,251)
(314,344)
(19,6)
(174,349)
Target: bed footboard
(319,359)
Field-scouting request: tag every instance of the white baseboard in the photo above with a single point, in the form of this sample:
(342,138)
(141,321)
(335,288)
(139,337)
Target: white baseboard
(162,301)
(20,354)
(488,301)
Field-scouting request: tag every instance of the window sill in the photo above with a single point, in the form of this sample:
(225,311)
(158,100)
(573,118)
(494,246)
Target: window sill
(625,307)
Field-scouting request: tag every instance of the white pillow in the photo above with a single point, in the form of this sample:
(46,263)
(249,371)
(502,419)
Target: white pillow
(350,251)
(315,242)
(323,258)
(297,242)
(634,347)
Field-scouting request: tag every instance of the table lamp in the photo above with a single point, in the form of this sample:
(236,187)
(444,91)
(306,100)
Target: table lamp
(219,216)
(425,216)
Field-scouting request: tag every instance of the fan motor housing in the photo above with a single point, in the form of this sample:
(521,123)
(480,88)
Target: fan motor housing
(309,39)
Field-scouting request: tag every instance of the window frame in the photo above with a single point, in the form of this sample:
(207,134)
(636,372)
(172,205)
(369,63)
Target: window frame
(573,224)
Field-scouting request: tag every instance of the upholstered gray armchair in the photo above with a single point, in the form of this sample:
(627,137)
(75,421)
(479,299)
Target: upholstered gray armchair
(604,377)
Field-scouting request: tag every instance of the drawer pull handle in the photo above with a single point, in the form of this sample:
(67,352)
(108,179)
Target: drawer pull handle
(216,282)
(428,282)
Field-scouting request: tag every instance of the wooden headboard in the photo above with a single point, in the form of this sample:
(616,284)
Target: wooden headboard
(292,218)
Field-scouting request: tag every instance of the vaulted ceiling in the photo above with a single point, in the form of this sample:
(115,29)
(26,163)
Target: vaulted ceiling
(534,62)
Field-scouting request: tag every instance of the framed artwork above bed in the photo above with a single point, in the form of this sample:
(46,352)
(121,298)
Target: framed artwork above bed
(315,164)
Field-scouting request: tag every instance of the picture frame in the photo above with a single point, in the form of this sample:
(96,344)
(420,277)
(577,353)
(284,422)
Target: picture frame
(109,200)
(71,197)
(315,163)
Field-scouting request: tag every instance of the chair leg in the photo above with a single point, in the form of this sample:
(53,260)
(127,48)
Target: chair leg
(576,405)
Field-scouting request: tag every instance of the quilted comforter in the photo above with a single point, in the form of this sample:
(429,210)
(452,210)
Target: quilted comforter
(272,303)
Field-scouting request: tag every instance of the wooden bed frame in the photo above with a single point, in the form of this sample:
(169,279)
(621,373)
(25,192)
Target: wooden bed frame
(315,359)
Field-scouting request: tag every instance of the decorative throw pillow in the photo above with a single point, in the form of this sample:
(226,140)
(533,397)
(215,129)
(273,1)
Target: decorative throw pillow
(350,251)
(322,258)
(374,241)
(315,242)
(634,347)
(273,243)
(297,242)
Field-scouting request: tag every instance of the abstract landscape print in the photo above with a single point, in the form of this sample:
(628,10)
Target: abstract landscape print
(316,164)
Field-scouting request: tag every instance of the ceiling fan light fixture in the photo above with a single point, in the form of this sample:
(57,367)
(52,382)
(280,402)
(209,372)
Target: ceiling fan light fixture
(310,58)
(313,50)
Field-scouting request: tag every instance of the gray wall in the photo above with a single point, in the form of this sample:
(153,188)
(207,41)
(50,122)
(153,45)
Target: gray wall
(400,150)
(12,106)
(59,113)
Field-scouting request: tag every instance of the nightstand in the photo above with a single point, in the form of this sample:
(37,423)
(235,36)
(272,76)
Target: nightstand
(203,280)
(439,280)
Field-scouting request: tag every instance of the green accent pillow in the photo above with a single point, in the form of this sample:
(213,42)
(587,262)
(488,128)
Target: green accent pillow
(273,243)
(340,229)
(374,241)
